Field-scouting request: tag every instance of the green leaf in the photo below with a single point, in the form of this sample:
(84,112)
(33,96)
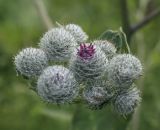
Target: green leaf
(118,38)
(124,40)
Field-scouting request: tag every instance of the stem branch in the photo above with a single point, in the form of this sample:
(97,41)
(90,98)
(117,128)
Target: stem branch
(145,21)
(43,13)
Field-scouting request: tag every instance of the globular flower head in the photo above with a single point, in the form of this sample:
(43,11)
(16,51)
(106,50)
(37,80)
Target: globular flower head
(106,46)
(30,62)
(88,63)
(97,94)
(58,44)
(57,85)
(123,70)
(77,32)
(126,102)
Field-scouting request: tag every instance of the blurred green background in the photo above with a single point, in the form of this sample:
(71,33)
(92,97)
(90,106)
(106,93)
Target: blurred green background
(21,26)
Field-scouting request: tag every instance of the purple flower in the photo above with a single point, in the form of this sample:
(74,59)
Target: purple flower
(86,52)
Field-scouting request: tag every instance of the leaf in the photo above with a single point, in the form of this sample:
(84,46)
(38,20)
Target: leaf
(124,40)
(118,38)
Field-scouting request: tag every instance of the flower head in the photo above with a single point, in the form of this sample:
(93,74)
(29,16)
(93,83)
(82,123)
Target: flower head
(77,32)
(57,85)
(107,47)
(58,44)
(89,63)
(30,62)
(97,94)
(123,70)
(126,102)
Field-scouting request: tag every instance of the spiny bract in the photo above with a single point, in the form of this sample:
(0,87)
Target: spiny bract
(30,62)
(88,63)
(57,85)
(126,102)
(108,48)
(77,32)
(97,94)
(123,70)
(58,44)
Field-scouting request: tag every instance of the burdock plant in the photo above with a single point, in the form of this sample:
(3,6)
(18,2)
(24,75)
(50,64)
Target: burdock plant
(96,72)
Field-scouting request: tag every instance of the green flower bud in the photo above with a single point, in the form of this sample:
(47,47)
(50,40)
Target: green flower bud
(30,62)
(123,70)
(77,32)
(107,47)
(57,85)
(126,102)
(97,94)
(58,44)
(88,63)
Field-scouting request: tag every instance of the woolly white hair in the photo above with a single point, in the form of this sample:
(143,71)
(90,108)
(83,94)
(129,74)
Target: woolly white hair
(30,62)
(97,94)
(58,44)
(123,70)
(77,32)
(106,46)
(91,69)
(126,102)
(57,85)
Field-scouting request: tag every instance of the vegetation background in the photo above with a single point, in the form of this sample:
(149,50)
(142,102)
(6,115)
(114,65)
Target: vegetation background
(22,24)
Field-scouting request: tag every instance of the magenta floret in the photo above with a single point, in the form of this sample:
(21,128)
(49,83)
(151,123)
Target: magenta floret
(86,51)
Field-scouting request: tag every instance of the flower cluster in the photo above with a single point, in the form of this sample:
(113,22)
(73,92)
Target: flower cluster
(94,71)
